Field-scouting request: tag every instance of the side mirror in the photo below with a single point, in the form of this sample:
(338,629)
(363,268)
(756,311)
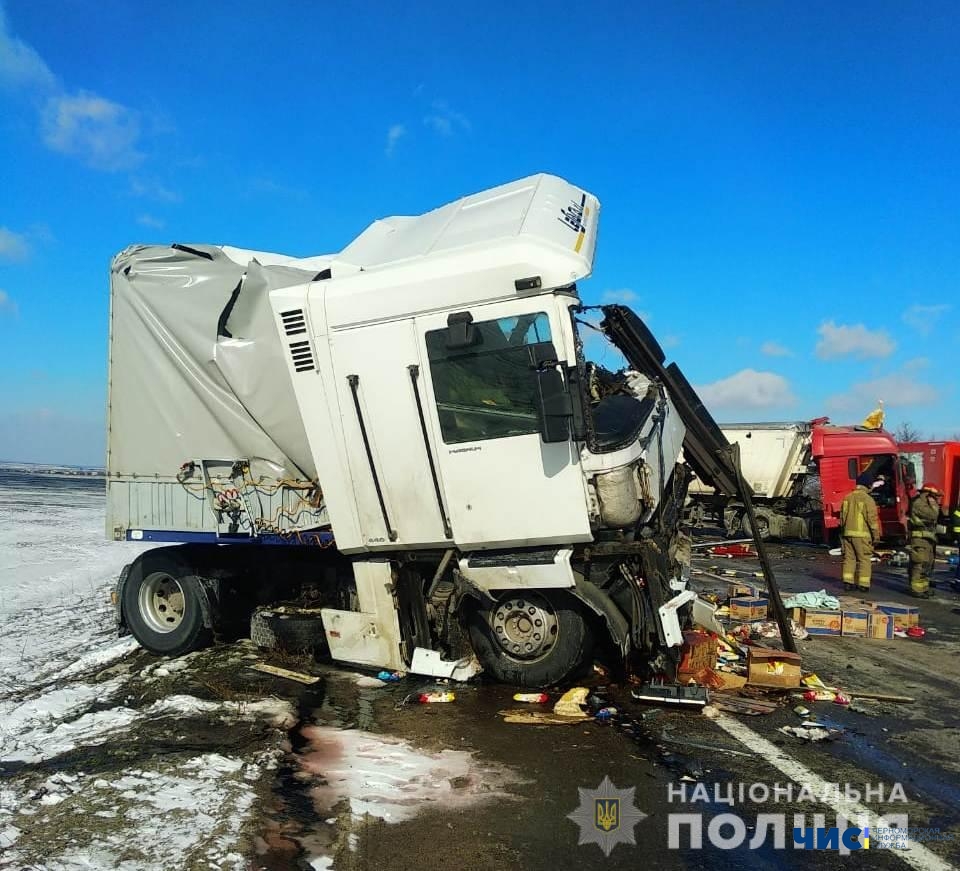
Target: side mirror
(555,407)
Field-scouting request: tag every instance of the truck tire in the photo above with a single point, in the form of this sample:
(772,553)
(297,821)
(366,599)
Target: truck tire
(531,639)
(287,630)
(163,605)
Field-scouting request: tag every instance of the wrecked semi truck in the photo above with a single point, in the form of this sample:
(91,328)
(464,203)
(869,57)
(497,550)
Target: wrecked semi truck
(936,463)
(799,473)
(406,444)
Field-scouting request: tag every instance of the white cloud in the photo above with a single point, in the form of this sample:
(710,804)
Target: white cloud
(775,349)
(669,341)
(898,390)
(923,318)
(101,133)
(838,340)
(148,220)
(624,296)
(153,190)
(20,65)
(7,305)
(394,135)
(13,246)
(445,121)
(748,389)
(916,364)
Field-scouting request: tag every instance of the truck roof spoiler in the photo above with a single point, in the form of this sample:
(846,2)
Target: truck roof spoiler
(705,446)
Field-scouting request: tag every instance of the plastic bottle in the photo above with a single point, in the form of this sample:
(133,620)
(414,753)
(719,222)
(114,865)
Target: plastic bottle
(532,698)
(434,698)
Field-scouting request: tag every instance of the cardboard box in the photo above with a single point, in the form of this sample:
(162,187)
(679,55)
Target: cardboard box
(904,616)
(739,590)
(822,621)
(748,609)
(880,625)
(699,652)
(855,624)
(773,668)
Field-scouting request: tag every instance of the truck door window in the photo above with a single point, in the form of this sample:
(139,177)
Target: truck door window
(882,468)
(488,390)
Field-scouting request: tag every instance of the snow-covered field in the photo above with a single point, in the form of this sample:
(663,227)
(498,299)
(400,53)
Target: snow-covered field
(111,758)
(70,691)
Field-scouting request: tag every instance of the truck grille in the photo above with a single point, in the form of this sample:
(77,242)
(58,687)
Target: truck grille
(294,323)
(302,356)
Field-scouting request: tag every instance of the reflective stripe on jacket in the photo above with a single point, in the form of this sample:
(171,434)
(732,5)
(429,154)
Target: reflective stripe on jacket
(858,515)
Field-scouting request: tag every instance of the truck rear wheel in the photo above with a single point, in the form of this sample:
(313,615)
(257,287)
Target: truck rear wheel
(531,639)
(163,605)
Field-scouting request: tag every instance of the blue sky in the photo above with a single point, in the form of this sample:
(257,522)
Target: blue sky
(779,180)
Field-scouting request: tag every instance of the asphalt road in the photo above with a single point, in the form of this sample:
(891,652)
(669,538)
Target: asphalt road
(539,770)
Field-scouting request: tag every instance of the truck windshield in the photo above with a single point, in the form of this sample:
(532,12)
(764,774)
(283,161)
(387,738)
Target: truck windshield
(618,400)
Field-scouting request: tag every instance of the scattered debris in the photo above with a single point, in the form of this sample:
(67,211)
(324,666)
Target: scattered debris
(741,705)
(430,662)
(819,599)
(571,703)
(539,718)
(276,671)
(532,698)
(733,551)
(810,732)
(666,694)
(389,676)
(367,682)
(436,698)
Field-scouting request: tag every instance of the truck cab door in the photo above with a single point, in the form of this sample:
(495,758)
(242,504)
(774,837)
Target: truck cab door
(497,406)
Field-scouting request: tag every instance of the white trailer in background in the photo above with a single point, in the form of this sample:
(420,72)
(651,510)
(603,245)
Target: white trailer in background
(406,437)
(799,473)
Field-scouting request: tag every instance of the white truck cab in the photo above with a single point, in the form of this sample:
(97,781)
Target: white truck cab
(414,421)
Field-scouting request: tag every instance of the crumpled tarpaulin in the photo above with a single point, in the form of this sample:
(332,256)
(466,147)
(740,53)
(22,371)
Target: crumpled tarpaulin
(820,599)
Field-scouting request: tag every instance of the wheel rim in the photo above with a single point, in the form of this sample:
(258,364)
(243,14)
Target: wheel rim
(525,627)
(162,602)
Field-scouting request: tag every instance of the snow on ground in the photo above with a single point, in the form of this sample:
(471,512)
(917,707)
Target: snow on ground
(57,569)
(72,697)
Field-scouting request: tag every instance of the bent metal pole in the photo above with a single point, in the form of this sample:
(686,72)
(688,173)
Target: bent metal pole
(746,494)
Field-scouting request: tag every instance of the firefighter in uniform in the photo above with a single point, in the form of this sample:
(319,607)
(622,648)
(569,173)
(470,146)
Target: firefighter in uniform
(955,523)
(860,529)
(924,513)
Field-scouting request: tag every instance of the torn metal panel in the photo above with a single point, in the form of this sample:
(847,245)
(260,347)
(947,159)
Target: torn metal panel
(704,441)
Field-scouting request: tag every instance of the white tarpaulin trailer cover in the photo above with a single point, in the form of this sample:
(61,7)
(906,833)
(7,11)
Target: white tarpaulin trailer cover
(205,428)
(196,365)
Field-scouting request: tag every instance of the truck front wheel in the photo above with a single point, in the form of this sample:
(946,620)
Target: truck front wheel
(531,639)
(163,606)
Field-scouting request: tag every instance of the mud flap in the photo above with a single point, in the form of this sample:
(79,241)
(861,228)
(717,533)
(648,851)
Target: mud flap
(370,636)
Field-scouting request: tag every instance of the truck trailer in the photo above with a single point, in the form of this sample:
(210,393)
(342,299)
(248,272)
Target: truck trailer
(936,463)
(800,473)
(405,445)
